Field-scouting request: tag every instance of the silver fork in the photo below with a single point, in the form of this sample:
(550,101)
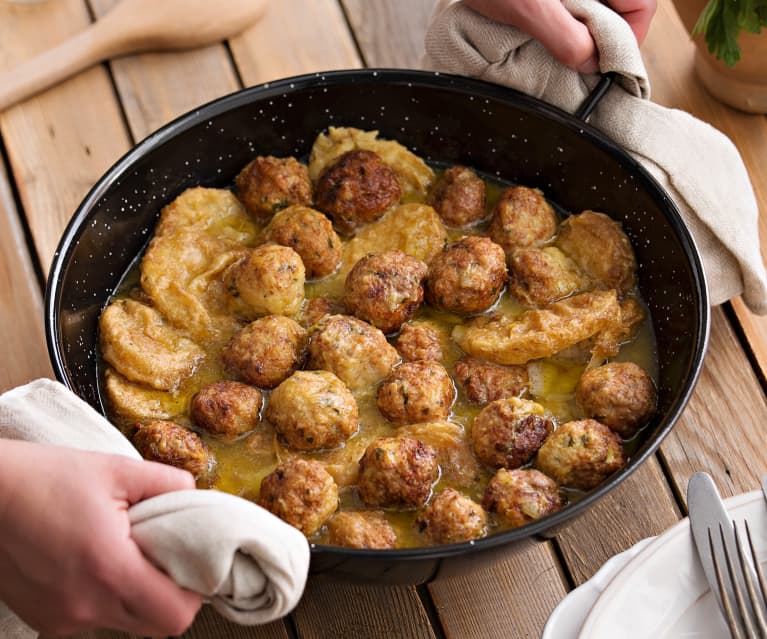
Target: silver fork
(749,616)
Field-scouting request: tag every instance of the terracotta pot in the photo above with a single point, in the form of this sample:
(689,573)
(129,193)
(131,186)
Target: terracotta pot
(744,85)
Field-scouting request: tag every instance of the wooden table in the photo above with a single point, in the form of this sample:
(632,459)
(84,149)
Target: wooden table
(56,145)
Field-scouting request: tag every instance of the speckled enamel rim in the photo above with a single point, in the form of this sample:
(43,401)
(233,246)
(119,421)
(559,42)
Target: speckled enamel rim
(427,80)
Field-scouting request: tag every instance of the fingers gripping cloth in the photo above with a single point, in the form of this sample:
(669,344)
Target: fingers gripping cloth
(696,164)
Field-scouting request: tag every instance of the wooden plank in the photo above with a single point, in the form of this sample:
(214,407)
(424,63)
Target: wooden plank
(295,37)
(210,624)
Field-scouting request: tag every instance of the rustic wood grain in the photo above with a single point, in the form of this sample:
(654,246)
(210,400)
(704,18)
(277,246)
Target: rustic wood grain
(210,624)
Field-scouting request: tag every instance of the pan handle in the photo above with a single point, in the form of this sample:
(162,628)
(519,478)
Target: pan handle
(591,101)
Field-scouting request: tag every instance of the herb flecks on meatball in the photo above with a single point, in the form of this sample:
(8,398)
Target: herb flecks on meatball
(521,496)
(451,517)
(484,382)
(269,184)
(416,392)
(522,218)
(167,442)
(228,409)
(459,197)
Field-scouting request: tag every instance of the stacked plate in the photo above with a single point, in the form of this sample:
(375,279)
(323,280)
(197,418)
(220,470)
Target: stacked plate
(656,589)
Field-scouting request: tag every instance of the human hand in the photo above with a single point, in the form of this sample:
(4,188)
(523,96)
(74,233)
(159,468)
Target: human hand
(67,560)
(567,38)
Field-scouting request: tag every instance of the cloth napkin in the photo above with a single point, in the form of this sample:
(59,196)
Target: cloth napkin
(697,165)
(249,563)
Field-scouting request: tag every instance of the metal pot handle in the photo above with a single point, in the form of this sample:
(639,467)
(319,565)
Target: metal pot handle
(587,106)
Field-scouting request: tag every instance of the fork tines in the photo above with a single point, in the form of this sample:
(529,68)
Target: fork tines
(749,616)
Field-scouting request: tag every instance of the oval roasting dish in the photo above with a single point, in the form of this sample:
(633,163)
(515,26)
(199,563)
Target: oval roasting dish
(442,118)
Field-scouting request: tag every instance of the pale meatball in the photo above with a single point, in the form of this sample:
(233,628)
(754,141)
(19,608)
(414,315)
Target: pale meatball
(313,410)
(484,382)
(538,277)
(385,289)
(451,518)
(318,307)
(522,218)
(358,188)
(268,280)
(167,442)
(508,432)
(467,277)
(620,395)
(310,234)
(581,454)
(361,529)
(419,341)
(521,496)
(226,408)
(266,351)
(397,472)
(300,492)
(416,392)
(459,197)
(598,245)
(354,350)
(268,184)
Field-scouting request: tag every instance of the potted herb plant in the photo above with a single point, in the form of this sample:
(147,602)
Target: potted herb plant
(731,56)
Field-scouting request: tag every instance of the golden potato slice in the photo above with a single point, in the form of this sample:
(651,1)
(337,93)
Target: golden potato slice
(608,342)
(539,333)
(143,347)
(138,403)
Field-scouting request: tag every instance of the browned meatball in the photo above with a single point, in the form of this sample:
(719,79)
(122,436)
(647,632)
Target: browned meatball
(484,382)
(621,395)
(361,529)
(301,493)
(313,410)
(416,392)
(397,472)
(451,518)
(385,289)
(267,351)
(459,197)
(226,408)
(508,432)
(521,496)
(419,341)
(268,279)
(310,234)
(268,184)
(467,276)
(580,454)
(164,441)
(318,307)
(538,277)
(352,349)
(358,188)
(522,218)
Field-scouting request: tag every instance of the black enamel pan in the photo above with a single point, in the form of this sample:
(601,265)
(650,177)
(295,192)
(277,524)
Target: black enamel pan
(446,119)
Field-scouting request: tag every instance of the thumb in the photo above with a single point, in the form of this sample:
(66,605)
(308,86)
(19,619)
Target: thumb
(139,480)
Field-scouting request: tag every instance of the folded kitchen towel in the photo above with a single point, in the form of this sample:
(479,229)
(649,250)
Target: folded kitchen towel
(249,563)
(696,164)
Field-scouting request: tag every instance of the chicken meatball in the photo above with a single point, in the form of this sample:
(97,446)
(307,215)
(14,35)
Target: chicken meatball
(483,382)
(310,234)
(419,341)
(451,518)
(598,245)
(397,472)
(522,218)
(508,432)
(459,197)
(354,350)
(361,529)
(467,276)
(538,277)
(385,289)
(416,392)
(317,308)
(313,410)
(266,351)
(227,408)
(301,493)
(268,280)
(358,188)
(268,184)
(581,454)
(167,442)
(521,496)
(620,395)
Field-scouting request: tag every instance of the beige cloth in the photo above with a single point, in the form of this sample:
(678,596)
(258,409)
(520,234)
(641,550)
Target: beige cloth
(696,164)
(249,563)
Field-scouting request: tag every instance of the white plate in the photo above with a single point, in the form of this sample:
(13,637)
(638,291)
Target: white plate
(662,593)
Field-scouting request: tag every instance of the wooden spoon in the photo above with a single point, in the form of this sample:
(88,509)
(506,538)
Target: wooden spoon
(132,26)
